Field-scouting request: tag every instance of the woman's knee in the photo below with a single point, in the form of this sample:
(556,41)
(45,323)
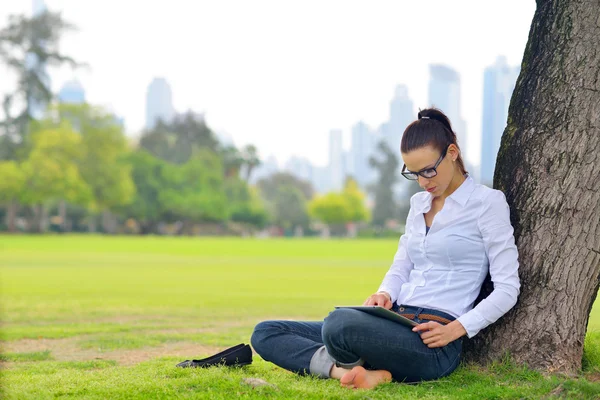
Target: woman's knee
(262,331)
(338,323)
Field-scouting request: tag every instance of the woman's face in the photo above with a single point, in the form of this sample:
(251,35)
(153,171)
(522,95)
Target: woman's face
(426,157)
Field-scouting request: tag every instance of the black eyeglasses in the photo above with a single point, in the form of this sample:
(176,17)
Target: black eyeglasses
(425,173)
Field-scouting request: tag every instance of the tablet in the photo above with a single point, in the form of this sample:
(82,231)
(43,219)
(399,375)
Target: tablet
(383,313)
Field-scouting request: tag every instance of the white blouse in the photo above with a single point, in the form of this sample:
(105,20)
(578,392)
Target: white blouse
(444,269)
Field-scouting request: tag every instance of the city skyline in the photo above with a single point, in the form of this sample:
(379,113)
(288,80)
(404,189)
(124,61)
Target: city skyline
(278,85)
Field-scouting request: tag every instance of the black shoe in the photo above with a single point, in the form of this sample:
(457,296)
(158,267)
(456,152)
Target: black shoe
(235,356)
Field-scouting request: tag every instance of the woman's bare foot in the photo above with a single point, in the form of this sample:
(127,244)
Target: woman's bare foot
(360,378)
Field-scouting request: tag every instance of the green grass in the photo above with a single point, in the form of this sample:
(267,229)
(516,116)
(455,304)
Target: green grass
(75,309)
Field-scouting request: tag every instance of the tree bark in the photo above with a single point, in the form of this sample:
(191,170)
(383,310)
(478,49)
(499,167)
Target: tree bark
(11,216)
(548,166)
(62,212)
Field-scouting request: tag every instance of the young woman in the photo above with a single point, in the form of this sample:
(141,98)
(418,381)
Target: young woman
(456,232)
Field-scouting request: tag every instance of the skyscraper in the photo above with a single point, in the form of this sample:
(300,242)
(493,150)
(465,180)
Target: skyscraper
(159,102)
(300,167)
(498,84)
(268,167)
(72,92)
(363,146)
(444,93)
(401,114)
(38,7)
(336,160)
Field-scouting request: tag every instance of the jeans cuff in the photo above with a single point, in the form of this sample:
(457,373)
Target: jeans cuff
(350,365)
(321,363)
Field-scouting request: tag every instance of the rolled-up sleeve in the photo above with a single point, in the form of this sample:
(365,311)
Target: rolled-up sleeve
(497,232)
(398,273)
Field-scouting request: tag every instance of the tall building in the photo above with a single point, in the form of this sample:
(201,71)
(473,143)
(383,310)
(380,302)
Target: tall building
(38,7)
(362,147)
(444,93)
(498,84)
(321,179)
(401,114)
(268,167)
(336,160)
(299,167)
(37,108)
(159,102)
(72,92)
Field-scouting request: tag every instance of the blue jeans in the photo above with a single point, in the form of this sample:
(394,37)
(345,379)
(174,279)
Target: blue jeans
(348,338)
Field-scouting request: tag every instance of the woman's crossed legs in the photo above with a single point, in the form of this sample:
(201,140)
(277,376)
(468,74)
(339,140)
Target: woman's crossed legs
(360,343)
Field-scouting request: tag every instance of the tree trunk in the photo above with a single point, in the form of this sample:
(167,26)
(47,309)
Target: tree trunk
(11,216)
(548,166)
(108,222)
(92,223)
(62,213)
(39,223)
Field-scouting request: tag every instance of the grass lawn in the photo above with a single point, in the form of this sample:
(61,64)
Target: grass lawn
(109,317)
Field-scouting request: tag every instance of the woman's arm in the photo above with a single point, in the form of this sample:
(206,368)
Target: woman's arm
(497,232)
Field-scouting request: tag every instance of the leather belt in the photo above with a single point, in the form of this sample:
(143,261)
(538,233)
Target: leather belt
(431,317)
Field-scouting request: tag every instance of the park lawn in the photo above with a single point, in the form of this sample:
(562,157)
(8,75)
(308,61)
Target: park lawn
(109,317)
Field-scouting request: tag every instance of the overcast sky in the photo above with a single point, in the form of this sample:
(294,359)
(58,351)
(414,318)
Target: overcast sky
(281,74)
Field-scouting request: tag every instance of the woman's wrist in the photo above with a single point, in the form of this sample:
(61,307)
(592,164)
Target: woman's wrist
(386,294)
(457,330)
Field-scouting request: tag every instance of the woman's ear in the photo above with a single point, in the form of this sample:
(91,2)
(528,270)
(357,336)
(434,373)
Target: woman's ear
(453,152)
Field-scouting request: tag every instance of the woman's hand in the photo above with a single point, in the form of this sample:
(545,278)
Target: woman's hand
(382,299)
(438,335)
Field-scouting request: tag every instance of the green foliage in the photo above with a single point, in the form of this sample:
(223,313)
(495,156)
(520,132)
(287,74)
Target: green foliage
(27,46)
(12,181)
(340,208)
(251,159)
(383,189)
(270,185)
(51,170)
(331,208)
(104,149)
(355,199)
(286,197)
(176,141)
(194,191)
(245,204)
(289,208)
(146,172)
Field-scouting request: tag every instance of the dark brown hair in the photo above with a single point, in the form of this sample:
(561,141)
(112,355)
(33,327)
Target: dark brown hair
(432,128)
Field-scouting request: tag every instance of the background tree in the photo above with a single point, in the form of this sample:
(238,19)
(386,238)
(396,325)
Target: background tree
(51,172)
(548,167)
(268,186)
(147,174)
(193,192)
(233,161)
(177,140)
(251,160)
(286,197)
(332,209)
(338,209)
(244,203)
(289,208)
(11,186)
(358,211)
(27,47)
(385,205)
(104,149)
